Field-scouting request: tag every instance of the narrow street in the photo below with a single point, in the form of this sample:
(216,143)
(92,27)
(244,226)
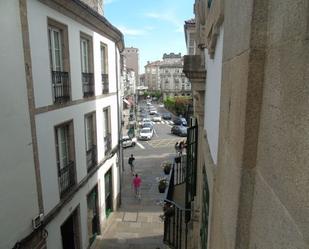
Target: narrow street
(137,223)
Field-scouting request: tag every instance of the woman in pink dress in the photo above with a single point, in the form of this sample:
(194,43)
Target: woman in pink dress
(137,186)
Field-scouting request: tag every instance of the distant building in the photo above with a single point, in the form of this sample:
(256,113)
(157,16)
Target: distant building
(152,76)
(132,61)
(60,123)
(142,79)
(172,81)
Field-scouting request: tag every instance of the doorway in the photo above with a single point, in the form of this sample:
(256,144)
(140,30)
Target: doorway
(108,192)
(93,215)
(70,232)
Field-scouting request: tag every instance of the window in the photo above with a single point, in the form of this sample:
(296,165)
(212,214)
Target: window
(87,65)
(90,137)
(104,68)
(59,61)
(65,157)
(107,130)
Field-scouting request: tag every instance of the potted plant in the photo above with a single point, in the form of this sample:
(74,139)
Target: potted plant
(162,185)
(167,166)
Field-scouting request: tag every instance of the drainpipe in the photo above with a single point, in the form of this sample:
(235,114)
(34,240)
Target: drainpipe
(120,151)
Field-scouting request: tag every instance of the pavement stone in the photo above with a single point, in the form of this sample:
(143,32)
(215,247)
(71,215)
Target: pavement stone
(137,225)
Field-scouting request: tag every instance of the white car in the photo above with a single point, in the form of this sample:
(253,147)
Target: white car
(145,120)
(145,133)
(128,142)
(157,118)
(153,111)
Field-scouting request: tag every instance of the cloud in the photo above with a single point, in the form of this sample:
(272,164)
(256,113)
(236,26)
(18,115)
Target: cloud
(167,16)
(130,31)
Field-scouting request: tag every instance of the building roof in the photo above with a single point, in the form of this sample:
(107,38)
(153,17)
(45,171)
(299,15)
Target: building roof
(171,56)
(85,14)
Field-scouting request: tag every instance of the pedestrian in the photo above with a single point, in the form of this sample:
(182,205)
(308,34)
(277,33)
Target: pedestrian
(137,186)
(130,161)
(176,147)
(181,147)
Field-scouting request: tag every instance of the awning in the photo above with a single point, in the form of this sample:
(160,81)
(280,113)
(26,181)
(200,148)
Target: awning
(125,101)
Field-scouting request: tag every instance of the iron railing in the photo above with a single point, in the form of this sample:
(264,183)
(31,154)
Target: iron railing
(107,143)
(105,84)
(91,156)
(179,169)
(88,84)
(66,176)
(175,225)
(191,176)
(60,86)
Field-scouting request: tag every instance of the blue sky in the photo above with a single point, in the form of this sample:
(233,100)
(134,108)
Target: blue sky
(153,26)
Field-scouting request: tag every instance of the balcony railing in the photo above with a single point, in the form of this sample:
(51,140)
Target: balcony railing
(179,169)
(105,83)
(107,143)
(88,84)
(60,86)
(66,176)
(91,156)
(175,225)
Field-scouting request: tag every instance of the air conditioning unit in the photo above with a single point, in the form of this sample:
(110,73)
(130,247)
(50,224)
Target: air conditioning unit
(36,222)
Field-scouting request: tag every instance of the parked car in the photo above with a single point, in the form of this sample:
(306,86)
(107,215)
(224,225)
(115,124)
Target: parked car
(167,116)
(157,118)
(179,130)
(127,142)
(147,124)
(180,121)
(153,111)
(145,133)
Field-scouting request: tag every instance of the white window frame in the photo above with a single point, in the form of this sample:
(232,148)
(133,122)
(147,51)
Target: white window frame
(84,43)
(52,49)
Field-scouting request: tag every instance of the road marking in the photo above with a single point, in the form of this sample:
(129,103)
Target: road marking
(140,145)
(154,130)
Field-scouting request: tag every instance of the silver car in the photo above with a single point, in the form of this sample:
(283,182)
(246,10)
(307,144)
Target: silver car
(127,142)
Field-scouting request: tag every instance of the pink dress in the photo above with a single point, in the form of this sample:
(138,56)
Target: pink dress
(137,182)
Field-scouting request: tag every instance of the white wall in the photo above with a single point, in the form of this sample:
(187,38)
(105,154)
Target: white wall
(45,124)
(37,18)
(18,193)
(54,240)
(212,96)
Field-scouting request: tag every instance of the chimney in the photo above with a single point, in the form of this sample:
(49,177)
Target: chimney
(96,5)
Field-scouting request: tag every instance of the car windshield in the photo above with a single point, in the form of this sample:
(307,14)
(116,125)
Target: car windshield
(145,130)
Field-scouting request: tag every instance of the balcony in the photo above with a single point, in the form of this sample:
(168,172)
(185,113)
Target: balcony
(88,84)
(176,216)
(66,177)
(105,84)
(60,86)
(107,143)
(91,157)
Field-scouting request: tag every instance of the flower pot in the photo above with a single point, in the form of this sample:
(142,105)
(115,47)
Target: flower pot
(161,187)
(167,170)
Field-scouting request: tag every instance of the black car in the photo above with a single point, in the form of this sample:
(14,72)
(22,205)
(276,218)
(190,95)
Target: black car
(179,130)
(167,116)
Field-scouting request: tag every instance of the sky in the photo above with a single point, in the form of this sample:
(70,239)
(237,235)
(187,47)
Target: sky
(154,27)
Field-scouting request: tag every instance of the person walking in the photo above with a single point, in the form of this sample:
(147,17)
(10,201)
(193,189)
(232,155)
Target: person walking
(130,161)
(137,181)
(176,148)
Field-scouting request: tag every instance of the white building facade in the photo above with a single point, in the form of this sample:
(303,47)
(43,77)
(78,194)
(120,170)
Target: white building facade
(173,82)
(60,102)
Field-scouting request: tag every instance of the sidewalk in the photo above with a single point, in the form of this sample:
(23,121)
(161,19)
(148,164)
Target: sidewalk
(136,225)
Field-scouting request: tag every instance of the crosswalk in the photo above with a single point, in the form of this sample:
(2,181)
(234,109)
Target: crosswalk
(167,122)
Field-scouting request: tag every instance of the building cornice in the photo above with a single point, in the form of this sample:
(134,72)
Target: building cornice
(193,68)
(85,15)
